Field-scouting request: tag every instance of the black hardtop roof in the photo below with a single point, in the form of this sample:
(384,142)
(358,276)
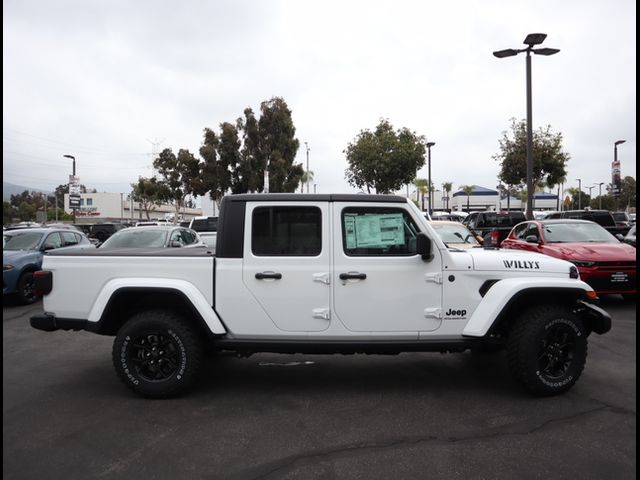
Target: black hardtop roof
(314,197)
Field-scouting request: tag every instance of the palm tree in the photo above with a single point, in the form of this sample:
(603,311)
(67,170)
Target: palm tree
(422,185)
(447,186)
(468,189)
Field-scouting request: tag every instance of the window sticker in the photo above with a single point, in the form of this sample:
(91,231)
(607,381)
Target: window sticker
(376,230)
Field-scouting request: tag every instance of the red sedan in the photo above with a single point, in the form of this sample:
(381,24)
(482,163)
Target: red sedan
(605,263)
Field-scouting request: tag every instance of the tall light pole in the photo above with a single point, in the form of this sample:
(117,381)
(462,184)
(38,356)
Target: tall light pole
(429,145)
(307,177)
(73,172)
(616,177)
(531,40)
(599,194)
(579,193)
(590,188)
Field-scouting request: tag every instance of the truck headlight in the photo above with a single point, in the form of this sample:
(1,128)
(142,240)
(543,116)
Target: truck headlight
(6,267)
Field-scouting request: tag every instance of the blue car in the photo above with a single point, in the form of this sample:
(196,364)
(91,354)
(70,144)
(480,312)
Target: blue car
(22,255)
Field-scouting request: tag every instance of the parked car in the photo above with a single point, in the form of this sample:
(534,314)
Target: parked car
(603,218)
(605,263)
(630,238)
(102,231)
(22,254)
(454,234)
(154,236)
(622,219)
(493,227)
(204,224)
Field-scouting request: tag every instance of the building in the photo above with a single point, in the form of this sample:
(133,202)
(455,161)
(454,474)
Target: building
(118,207)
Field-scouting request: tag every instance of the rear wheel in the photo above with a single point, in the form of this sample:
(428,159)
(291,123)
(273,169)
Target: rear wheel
(25,291)
(547,350)
(157,354)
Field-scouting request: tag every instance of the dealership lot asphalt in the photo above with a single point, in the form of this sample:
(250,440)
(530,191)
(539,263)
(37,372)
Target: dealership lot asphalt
(66,415)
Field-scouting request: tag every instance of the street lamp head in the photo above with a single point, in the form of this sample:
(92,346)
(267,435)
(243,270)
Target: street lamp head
(69,156)
(430,144)
(534,39)
(509,52)
(545,51)
(619,142)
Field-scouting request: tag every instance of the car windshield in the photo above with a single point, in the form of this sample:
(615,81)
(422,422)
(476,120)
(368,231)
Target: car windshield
(454,234)
(146,237)
(620,216)
(577,233)
(21,241)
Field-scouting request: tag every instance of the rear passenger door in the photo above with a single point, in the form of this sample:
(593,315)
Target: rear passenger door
(286,264)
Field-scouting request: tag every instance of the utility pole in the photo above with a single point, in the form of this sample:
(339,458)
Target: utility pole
(307,145)
(155,150)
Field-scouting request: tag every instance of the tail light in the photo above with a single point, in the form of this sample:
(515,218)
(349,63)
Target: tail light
(495,238)
(43,282)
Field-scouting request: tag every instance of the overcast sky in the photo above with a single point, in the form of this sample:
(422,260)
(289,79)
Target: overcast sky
(104,80)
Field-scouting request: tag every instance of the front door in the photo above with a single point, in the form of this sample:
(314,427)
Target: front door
(380,283)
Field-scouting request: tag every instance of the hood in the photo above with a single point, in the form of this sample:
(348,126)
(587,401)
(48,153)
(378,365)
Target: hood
(517,261)
(16,256)
(595,252)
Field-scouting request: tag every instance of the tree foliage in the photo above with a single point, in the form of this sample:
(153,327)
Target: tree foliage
(468,189)
(384,159)
(549,158)
(180,174)
(150,193)
(278,146)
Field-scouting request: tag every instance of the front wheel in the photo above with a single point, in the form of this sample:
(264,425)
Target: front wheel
(547,350)
(157,354)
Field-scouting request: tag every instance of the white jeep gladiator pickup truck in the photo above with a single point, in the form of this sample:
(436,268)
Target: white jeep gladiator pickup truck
(296,273)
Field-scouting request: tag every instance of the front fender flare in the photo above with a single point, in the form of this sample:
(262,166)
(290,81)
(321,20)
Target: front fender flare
(501,293)
(190,292)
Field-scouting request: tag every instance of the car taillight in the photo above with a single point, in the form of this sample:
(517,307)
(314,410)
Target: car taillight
(495,238)
(43,282)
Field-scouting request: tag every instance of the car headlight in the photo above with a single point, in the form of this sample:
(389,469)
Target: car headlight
(582,263)
(6,267)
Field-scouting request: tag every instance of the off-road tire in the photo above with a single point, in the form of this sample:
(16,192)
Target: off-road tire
(25,290)
(547,349)
(157,354)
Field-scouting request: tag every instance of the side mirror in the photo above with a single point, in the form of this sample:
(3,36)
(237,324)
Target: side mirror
(620,237)
(48,246)
(531,239)
(175,244)
(424,246)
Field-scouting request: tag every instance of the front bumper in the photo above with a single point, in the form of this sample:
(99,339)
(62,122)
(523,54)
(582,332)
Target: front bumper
(594,317)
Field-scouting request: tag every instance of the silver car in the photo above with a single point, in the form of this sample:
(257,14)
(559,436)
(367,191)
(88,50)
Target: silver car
(173,236)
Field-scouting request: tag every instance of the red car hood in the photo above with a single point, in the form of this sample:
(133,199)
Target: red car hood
(595,252)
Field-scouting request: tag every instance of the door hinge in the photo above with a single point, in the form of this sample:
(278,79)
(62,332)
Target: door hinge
(322,313)
(322,278)
(433,312)
(433,277)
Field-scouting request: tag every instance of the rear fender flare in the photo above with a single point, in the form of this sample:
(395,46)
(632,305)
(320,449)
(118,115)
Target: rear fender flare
(188,290)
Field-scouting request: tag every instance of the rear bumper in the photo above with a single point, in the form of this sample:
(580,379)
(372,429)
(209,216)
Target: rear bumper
(48,322)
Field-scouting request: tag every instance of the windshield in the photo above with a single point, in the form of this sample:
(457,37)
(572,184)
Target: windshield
(454,234)
(21,241)
(577,233)
(146,237)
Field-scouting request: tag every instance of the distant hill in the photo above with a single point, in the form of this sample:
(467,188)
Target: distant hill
(9,189)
